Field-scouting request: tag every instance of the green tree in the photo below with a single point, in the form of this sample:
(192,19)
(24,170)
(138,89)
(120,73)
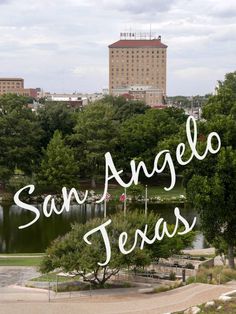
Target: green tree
(20,136)
(135,191)
(58,167)
(140,135)
(211,183)
(95,134)
(214,196)
(56,116)
(129,109)
(71,253)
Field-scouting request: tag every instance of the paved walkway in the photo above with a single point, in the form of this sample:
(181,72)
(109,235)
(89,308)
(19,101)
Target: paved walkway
(15,299)
(10,275)
(22,300)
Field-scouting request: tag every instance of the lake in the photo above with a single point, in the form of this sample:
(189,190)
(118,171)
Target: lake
(37,237)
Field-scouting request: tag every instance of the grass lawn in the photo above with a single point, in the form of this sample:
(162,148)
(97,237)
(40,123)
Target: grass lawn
(153,191)
(52,277)
(20,259)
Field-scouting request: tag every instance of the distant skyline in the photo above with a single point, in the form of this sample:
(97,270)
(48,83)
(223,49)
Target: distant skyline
(61,46)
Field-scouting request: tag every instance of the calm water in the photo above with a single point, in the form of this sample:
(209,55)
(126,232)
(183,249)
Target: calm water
(38,236)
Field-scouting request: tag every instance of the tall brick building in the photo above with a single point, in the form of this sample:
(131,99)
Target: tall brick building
(138,62)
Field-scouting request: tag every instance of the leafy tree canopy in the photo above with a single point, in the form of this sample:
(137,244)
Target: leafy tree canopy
(95,134)
(211,184)
(20,136)
(58,166)
(56,116)
(71,253)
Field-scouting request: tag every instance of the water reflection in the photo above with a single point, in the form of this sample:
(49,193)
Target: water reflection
(38,236)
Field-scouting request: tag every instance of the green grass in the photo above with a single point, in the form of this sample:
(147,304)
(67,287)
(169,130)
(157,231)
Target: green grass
(73,286)
(153,191)
(74,283)
(219,274)
(20,261)
(167,288)
(21,254)
(52,277)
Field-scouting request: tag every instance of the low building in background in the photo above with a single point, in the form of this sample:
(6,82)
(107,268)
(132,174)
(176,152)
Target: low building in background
(16,86)
(75,100)
(27,92)
(151,96)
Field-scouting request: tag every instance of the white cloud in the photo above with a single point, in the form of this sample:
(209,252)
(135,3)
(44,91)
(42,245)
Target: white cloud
(138,7)
(63,44)
(88,70)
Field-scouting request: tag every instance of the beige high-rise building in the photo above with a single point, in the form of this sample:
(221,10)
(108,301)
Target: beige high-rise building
(138,62)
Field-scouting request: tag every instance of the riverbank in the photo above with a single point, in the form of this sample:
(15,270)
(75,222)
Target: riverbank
(155,193)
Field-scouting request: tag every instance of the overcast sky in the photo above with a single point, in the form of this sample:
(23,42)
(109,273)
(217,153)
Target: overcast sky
(61,45)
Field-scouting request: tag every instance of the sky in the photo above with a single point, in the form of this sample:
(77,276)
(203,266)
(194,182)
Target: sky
(62,46)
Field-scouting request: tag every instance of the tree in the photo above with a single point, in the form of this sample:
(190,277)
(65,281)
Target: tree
(214,196)
(20,136)
(13,102)
(135,190)
(211,184)
(58,166)
(71,253)
(129,109)
(56,116)
(95,134)
(140,134)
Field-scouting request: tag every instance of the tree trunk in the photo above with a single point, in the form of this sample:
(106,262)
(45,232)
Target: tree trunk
(93,183)
(231,256)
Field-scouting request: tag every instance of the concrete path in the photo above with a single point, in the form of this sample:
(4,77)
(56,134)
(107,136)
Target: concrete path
(15,299)
(36,302)
(10,275)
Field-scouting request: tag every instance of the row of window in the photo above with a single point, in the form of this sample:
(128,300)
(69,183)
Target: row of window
(141,75)
(132,69)
(138,56)
(10,83)
(127,83)
(131,82)
(138,51)
(138,60)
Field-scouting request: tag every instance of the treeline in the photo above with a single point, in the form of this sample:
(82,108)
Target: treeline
(188,101)
(57,145)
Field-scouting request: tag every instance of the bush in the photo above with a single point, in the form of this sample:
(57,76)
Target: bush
(167,288)
(189,266)
(172,276)
(17,181)
(220,274)
(161,289)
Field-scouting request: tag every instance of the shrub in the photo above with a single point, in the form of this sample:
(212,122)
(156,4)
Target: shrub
(189,266)
(220,274)
(161,289)
(172,276)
